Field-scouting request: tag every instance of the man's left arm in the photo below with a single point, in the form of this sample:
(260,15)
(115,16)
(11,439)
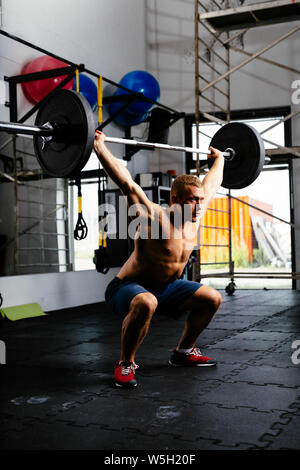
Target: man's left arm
(214,177)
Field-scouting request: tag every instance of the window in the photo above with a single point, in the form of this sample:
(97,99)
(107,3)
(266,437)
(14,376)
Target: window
(259,242)
(276,134)
(82,251)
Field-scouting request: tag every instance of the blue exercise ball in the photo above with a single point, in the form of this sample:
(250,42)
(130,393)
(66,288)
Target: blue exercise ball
(88,89)
(126,118)
(138,81)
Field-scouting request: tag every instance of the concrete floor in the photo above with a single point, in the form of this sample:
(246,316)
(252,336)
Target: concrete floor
(57,390)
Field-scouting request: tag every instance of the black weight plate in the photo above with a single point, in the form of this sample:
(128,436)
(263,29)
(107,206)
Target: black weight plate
(249,154)
(68,152)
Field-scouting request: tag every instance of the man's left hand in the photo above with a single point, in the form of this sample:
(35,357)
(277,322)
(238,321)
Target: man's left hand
(215,153)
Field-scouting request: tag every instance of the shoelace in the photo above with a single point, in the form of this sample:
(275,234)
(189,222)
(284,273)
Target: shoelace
(196,352)
(128,369)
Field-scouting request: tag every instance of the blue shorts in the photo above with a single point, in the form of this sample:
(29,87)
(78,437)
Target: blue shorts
(120,292)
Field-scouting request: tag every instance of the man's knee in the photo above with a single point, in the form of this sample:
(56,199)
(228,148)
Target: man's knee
(212,299)
(216,299)
(143,306)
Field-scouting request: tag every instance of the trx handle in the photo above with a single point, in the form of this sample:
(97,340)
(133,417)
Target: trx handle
(81,230)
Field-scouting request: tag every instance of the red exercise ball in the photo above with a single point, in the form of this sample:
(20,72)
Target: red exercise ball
(38,89)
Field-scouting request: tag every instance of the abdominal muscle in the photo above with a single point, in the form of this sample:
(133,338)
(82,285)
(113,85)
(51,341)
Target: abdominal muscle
(154,263)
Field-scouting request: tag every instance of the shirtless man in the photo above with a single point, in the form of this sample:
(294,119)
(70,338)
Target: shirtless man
(149,281)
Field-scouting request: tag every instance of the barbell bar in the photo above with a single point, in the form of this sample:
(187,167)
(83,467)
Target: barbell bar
(64,131)
(228,153)
(48,131)
(17,128)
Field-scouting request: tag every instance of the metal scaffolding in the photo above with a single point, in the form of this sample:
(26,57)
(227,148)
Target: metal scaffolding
(41,237)
(218,27)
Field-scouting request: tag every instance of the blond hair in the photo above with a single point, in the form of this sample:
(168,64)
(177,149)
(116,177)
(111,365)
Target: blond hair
(181,181)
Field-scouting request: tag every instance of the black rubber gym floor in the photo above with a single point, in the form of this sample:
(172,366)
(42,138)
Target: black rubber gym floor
(57,390)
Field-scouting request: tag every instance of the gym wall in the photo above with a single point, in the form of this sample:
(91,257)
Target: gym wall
(109,38)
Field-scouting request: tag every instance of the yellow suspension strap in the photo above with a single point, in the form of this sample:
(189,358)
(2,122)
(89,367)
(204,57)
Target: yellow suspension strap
(81,229)
(77,79)
(100,99)
(103,235)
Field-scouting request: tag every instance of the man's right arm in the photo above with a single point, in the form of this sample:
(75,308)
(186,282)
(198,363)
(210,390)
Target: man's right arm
(119,173)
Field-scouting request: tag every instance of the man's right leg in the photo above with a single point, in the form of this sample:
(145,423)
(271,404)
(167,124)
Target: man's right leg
(134,328)
(136,324)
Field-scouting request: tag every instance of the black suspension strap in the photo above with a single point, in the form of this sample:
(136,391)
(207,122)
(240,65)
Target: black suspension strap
(101,257)
(81,229)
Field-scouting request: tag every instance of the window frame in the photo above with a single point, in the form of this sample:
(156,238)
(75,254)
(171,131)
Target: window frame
(246,114)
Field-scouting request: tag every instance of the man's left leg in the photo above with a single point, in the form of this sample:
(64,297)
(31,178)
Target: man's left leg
(203,305)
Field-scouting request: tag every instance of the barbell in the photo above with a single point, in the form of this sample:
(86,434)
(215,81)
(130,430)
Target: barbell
(64,130)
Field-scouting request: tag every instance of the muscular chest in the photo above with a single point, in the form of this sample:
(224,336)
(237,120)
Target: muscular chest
(176,248)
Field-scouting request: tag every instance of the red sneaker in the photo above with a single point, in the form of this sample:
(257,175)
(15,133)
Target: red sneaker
(194,358)
(124,374)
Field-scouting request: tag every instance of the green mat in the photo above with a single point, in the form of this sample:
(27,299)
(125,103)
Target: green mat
(19,312)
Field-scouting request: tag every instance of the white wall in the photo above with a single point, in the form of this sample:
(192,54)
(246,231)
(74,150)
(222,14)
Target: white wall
(170,58)
(55,291)
(109,38)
